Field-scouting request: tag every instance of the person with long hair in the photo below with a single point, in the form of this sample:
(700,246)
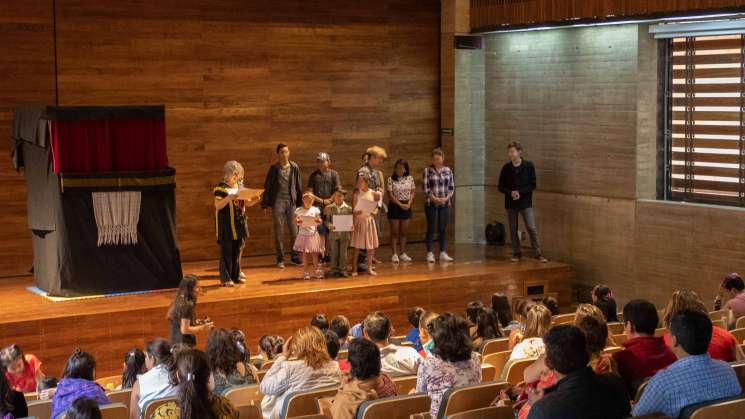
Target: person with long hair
(372,158)
(473,309)
(83,408)
(23,371)
(365,235)
(453,363)
(155,383)
(228,366)
(12,402)
(240,342)
(401,190)
(501,305)
(487,327)
(602,297)
(78,380)
(195,398)
(428,344)
(182,312)
(134,365)
(538,321)
(591,321)
(722,346)
(304,364)
(270,347)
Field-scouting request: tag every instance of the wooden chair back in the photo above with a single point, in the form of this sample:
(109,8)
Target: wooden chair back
(407,343)
(266,365)
(739,334)
(498,361)
(343,355)
(661,331)
(615,329)
(110,383)
(724,409)
(492,412)
(719,315)
(260,374)
(31,396)
(620,339)
(739,368)
(493,346)
(41,409)
(563,318)
(303,403)
(399,407)
(244,395)
(120,396)
(324,405)
(516,369)
(488,372)
(397,340)
(611,350)
(640,391)
(405,384)
(115,411)
(249,411)
(153,405)
(461,399)
(722,323)
(740,323)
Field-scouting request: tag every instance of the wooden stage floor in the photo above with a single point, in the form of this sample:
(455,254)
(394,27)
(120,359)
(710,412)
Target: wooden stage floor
(273,301)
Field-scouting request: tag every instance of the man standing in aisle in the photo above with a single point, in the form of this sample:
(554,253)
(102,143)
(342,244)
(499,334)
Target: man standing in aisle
(517,182)
(282,193)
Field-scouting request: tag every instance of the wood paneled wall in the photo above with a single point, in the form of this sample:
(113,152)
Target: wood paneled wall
(490,14)
(236,78)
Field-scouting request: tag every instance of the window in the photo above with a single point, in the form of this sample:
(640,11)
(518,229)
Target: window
(705,137)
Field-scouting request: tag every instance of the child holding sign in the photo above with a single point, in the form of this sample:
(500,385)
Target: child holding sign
(308,241)
(338,239)
(365,235)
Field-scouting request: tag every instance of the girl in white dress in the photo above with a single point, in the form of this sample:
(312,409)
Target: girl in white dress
(308,241)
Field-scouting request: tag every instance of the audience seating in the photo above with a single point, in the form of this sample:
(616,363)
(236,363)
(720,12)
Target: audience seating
(397,340)
(244,395)
(492,346)
(115,411)
(40,408)
(399,407)
(324,405)
(563,318)
(729,408)
(610,350)
(461,399)
(304,402)
(720,323)
(120,396)
(31,396)
(620,317)
(266,365)
(719,315)
(615,329)
(343,354)
(486,413)
(407,343)
(740,323)
(110,383)
(405,384)
(640,391)
(249,411)
(497,360)
(660,332)
(261,374)
(515,370)
(739,368)
(152,405)
(488,372)
(620,339)
(739,334)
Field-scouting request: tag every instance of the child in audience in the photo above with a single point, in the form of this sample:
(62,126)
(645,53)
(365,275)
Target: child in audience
(333,348)
(396,360)
(320,321)
(590,320)
(22,371)
(12,402)
(340,325)
(83,408)
(603,298)
(538,321)
(425,338)
(155,383)
(731,290)
(552,305)
(501,305)
(413,334)
(308,241)
(240,341)
(78,380)
(270,346)
(472,313)
(338,241)
(46,387)
(226,361)
(487,327)
(364,234)
(134,365)
(521,312)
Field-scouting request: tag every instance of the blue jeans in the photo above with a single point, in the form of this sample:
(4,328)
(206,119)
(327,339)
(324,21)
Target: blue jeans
(437,219)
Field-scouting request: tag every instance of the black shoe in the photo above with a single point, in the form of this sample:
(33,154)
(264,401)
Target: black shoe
(296,262)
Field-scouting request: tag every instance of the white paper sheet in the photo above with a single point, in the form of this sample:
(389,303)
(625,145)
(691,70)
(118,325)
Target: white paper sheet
(342,222)
(246,194)
(366,206)
(307,221)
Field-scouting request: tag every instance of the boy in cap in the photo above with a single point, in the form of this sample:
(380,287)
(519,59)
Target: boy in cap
(323,182)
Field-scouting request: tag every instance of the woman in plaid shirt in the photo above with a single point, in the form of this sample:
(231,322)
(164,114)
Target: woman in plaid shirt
(439,186)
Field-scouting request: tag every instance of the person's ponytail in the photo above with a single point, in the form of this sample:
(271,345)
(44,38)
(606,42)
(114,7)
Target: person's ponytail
(193,375)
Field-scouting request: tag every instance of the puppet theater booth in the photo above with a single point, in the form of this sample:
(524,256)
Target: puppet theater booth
(101,199)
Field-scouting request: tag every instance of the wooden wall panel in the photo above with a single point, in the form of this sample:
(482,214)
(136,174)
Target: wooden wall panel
(27,77)
(237,78)
(491,14)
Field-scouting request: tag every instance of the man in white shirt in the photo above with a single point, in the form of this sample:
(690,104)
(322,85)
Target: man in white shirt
(395,360)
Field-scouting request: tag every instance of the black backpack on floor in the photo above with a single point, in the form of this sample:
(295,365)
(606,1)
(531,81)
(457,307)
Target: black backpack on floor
(495,233)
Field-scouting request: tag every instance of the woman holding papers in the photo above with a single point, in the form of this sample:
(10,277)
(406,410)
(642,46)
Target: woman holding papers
(308,241)
(365,235)
(230,223)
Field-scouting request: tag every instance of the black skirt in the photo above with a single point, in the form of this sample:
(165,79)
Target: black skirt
(397,213)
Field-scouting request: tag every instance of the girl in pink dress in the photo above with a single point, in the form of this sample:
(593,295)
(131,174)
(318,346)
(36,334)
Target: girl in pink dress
(364,233)
(308,241)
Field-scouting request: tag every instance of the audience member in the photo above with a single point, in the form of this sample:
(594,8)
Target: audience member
(23,371)
(603,298)
(695,377)
(413,334)
(195,397)
(270,346)
(731,291)
(134,365)
(487,327)
(538,321)
(590,320)
(46,387)
(427,343)
(182,312)
(579,393)
(501,305)
(240,341)
(83,408)
(12,402)
(472,313)
(722,346)
(552,305)
(365,382)
(333,347)
(320,321)
(453,363)
(155,383)
(303,365)
(644,354)
(521,314)
(340,325)
(78,380)
(396,360)
(226,361)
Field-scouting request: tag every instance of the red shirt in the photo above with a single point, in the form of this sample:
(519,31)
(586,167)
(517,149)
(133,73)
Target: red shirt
(26,382)
(344,365)
(642,357)
(722,345)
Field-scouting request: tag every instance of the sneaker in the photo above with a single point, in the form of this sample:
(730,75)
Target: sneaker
(242,275)
(296,262)
(372,272)
(404,257)
(395,259)
(430,257)
(281,265)
(240,280)
(306,276)
(319,274)
(541,259)
(515,258)
(444,257)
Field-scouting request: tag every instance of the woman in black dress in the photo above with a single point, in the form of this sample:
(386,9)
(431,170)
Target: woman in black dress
(182,314)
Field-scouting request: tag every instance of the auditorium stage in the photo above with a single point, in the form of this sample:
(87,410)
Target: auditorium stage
(273,301)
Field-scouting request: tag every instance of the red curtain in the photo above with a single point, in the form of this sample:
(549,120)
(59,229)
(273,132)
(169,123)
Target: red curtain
(109,145)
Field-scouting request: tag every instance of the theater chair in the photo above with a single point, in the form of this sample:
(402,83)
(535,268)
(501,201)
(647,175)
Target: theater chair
(488,373)
(493,346)
(497,360)
(249,412)
(153,405)
(739,367)
(110,383)
(615,329)
(739,334)
(515,370)
(399,407)
(40,409)
(405,384)
(563,318)
(244,395)
(729,408)
(303,403)
(486,413)
(120,396)
(461,399)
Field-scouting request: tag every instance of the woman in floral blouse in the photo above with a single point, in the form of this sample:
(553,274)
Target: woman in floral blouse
(453,363)
(401,189)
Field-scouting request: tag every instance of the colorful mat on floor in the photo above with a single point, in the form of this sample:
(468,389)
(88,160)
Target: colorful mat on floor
(40,292)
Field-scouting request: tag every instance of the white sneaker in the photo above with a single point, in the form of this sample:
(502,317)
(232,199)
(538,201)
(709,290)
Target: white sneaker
(445,258)
(430,257)
(404,257)
(394,259)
